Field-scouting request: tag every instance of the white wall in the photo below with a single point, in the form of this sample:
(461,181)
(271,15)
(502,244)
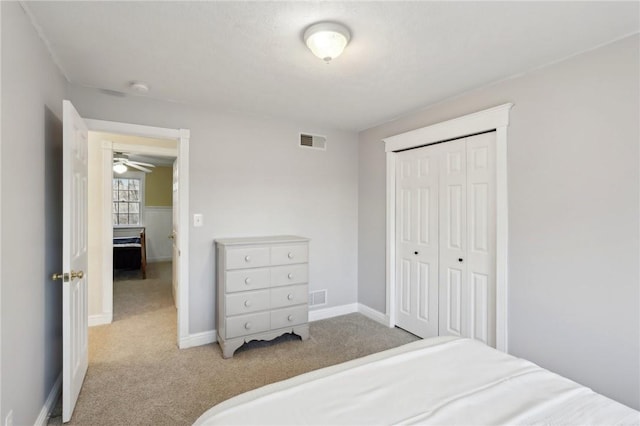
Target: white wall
(249,177)
(573,177)
(32,93)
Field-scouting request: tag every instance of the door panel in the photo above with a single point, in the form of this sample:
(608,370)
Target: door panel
(453,295)
(480,260)
(75,357)
(417,230)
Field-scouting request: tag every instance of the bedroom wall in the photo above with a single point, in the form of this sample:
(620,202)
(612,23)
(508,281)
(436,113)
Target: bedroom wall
(31,234)
(573,177)
(158,187)
(249,177)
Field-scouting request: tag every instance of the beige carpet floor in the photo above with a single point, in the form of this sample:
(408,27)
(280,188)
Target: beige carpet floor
(138,376)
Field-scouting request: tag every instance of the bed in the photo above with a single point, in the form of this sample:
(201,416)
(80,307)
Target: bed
(446,380)
(130,252)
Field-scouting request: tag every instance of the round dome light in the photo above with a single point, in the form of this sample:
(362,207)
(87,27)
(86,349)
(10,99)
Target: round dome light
(327,40)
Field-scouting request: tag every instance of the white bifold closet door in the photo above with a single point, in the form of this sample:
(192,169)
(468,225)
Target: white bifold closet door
(445,239)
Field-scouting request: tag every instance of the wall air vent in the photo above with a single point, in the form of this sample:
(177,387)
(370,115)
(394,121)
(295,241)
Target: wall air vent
(318,297)
(313,141)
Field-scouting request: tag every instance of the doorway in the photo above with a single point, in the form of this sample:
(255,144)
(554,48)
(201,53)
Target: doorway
(141,144)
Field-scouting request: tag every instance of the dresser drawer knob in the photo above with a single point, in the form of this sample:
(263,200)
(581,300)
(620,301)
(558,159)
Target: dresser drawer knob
(290,317)
(247,325)
(247,281)
(247,258)
(290,275)
(290,255)
(290,296)
(247,303)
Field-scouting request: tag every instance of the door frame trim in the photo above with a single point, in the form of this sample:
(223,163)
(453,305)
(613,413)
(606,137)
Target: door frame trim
(496,118)
(182,137)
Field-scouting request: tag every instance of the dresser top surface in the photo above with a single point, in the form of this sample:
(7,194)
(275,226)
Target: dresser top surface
(261,240)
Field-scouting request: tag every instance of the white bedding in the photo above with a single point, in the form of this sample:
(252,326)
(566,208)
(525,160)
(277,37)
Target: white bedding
(447,381)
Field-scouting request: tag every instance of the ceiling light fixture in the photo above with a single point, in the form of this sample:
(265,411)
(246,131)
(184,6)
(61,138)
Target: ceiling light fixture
(119,168)
(327,40)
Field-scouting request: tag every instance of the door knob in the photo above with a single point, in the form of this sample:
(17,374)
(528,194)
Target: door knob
(415,252)
(460,260)
(64,277)
(171,236)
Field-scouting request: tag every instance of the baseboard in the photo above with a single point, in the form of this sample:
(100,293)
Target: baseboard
(159,259)
(371,313)
(198,339)
(50,402)
(336,311)
(100,319)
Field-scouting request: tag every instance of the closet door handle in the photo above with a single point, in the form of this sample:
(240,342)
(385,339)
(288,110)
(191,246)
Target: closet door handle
(460,260)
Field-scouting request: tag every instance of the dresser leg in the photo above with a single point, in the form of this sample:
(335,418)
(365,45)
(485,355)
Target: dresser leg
(302,331)
(229,346)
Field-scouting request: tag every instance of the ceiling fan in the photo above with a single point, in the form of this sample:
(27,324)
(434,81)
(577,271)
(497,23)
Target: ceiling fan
(121,163)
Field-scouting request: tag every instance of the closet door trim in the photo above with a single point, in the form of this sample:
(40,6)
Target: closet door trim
(492,119)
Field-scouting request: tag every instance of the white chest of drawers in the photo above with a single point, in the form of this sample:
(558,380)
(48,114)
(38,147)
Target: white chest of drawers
(262,289)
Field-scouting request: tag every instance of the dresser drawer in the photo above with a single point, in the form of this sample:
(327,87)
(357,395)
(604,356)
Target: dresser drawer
(291,274)
(284,255)
(250,301)
(247,257)
(247,324)
(288,317)
(247,279)
(291,295)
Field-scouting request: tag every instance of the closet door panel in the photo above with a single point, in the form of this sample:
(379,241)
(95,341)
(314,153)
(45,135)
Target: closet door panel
(453,283)
(417,241)
(480,262)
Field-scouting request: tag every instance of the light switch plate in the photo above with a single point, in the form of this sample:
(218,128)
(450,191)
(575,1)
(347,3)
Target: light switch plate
(198,220)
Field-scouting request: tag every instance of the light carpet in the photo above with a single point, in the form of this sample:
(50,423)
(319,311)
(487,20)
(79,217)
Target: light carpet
(138,376)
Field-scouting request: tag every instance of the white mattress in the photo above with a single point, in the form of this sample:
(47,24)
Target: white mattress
(447,381)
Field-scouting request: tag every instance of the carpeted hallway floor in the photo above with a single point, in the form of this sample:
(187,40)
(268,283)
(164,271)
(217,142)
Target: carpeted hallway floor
(138,376)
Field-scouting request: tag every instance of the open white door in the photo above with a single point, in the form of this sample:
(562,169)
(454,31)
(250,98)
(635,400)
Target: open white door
(175,263)
(75,356)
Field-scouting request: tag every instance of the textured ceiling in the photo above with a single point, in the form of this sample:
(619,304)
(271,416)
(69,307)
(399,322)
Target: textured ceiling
(249,57)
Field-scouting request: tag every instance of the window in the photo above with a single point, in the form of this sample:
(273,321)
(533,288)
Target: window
(128,190)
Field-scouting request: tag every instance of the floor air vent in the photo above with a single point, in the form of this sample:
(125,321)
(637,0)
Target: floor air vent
(313,141)
(318,298)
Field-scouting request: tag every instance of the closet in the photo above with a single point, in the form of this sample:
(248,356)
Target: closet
(446,239)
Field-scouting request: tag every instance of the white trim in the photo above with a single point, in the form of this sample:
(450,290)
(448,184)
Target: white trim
(183,236)
(198,339)
(50,402)
(481,121)
(391,248)
(146,149)
(182,154)
(372,314)
(335,311)
(107,229)
(159,208)
(100,319)
(497,119)
(502,241)
(132,129)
